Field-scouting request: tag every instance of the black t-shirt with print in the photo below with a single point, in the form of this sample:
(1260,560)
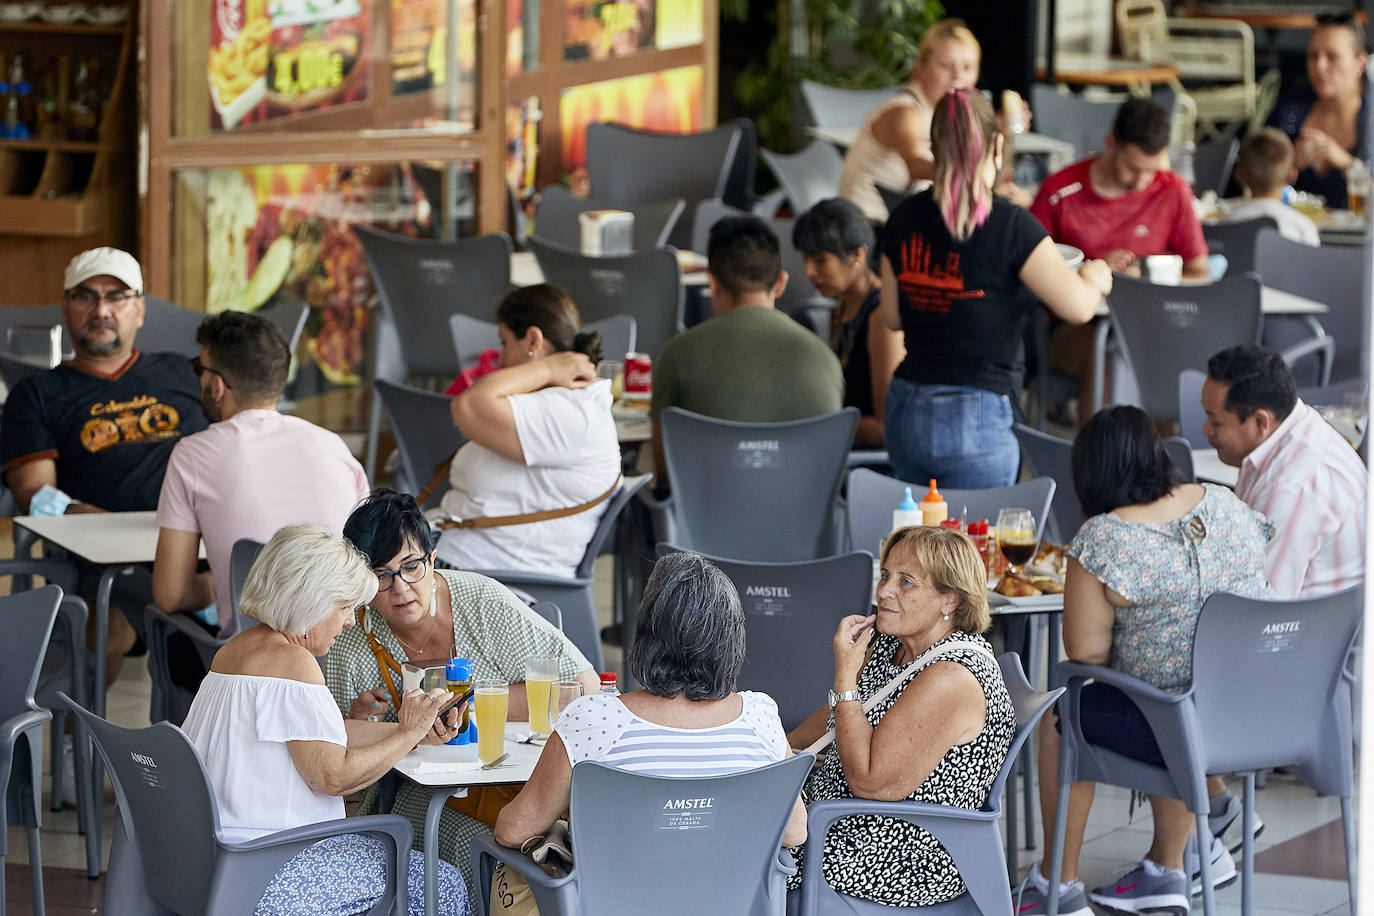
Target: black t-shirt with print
(111,436)
(963,306)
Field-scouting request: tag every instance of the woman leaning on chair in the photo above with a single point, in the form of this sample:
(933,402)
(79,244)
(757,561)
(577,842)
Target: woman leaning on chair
(959,268)
(940,737)
(687,716)
(1151,552)
(278,753)
(541,438)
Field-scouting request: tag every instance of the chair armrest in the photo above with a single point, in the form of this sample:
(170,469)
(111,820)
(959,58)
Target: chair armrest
(57,572)
(13,727)
(786,863)
(388,825)
(1072,675)
(1325,346)
(485,845)
(524,578)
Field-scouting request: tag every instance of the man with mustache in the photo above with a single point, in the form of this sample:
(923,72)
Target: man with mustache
(101,426)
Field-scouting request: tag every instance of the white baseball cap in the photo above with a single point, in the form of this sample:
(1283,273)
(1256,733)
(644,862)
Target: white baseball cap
(104,262)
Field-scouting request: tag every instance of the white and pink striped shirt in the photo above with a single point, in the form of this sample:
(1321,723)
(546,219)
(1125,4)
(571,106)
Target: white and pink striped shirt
(1311,484)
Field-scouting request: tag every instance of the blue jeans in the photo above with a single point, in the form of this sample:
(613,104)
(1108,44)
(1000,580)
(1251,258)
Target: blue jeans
(959,435)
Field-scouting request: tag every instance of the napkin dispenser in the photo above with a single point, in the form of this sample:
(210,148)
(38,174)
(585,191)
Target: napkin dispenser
(607,232)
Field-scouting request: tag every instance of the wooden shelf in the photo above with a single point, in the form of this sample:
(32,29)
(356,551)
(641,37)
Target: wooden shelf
(56,146)
(63,28)
(70,217)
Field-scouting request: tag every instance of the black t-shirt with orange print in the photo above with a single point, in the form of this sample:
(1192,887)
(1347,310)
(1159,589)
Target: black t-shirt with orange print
(111,436)
(963,306)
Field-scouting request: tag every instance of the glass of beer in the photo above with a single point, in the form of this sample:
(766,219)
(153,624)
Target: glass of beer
(561,696)
(492,697)
(541,674)
(1016,537)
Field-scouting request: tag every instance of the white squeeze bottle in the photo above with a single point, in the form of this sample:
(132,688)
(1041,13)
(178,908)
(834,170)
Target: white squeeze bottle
(908,512)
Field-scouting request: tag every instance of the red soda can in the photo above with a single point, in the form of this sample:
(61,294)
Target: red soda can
(638,376)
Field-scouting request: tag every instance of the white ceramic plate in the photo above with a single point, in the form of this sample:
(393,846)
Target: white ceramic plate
(1002,604)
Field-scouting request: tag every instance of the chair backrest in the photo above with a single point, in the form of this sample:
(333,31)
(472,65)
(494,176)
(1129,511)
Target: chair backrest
(808,177)
(1139,24)
(721,835)
(167,807)
(241,557)
(892,197)
(1191,416)
(550,612)
(471,336)
(1267,678)
(798,294)
(1180,451)
(872,497)
(289,318)
(1030,704)
(420,282)
(1336,275)
(1237,242)
(1072,118)
(25,332)
(756,491)
(1166,329)
(425,434)
(831,106)
(559,218)
(169,328)
(14,370)
(629,486)
(28,620)
(1051,456)
(1213,161)
(646,285)
(790,613)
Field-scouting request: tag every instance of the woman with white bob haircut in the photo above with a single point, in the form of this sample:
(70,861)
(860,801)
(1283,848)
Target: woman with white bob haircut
(275,746)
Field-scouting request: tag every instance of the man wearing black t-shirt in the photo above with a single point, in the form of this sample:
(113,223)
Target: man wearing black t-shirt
(101,426)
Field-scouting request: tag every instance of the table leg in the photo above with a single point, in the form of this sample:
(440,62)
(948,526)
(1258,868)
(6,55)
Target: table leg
(431,847)
(1099,364)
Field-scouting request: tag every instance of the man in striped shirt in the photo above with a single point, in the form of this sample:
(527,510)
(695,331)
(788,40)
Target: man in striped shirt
(1294,467)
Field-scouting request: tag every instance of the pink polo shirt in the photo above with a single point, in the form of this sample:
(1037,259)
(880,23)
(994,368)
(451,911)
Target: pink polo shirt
(247,476)
(1311,484)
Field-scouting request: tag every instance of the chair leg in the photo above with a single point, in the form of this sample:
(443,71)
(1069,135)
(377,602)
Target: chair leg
(1013,813)
(1348,824)
(1061,824)
(35,870)
(1204,846)
(55,732)
(86,815)
(1247,872)
(2,885)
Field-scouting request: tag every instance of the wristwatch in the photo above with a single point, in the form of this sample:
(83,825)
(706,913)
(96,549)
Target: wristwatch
(842,697)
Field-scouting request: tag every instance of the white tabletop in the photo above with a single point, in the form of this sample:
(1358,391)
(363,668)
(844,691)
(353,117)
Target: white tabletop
(1207,466)
(1059,152)
(524,269)
(1272,302)
(104,538)
(426,767)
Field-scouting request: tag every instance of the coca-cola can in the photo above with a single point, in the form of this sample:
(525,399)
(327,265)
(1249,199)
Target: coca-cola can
(638,376)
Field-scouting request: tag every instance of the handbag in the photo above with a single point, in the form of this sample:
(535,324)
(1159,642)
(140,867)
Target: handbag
(510,892)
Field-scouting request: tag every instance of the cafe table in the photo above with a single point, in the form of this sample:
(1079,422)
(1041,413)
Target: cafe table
(1057,153)
(1078,69)
(524,268)
(425,766)
(1207,466)
(1272,18)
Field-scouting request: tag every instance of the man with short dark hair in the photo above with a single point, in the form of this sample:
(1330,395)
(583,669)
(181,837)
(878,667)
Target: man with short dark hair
(750,362)
(1294,467)
(253,471)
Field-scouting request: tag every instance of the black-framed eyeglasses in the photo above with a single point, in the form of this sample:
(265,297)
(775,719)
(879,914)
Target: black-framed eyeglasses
(200,369)
(87,297)
(411,572)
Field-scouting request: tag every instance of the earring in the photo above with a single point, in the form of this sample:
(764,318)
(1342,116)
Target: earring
(531,353)
(946,616)
(434,601)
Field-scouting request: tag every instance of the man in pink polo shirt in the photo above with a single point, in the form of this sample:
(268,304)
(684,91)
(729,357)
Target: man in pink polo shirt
(253,471)
(1294,467)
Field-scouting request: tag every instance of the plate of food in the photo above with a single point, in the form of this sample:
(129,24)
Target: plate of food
(1039,585)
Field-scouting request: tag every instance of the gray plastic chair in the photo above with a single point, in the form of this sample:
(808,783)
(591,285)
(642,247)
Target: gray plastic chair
(1191,416)
(1072,118)
(627,166)
(668,860)
(831,106)
(289,317)
(574,596)
(1051,456)
(791,611)
(1237,242)
(970,837)
(646,285)
(756,491)
(799,295)
(1270,688)
(1181,452)
(425,435)
(1213,161)
(14,370)
(808,177)
(1163,330)
(420,282)
(873,496)
(166,853)
(471,336)
(558,219)
(169,328)
(1336,275)
(892,197)
(28,619)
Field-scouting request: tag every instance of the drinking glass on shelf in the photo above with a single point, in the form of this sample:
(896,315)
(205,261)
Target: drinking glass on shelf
(541,674)
(492,696)
(1016,537)
(561,696)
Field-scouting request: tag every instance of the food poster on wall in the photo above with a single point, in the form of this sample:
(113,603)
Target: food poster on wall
(668,101)
(273,59)
(598,30)
(522,150)
(419,59)
(284,233)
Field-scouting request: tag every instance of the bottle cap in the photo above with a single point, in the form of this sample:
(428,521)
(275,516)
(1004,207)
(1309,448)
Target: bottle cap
(458,669)
(608,678)
(933,495)
(952,523)
(907,504)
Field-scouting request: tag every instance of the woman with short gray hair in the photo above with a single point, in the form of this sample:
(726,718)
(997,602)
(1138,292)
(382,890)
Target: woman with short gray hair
(687,654)
(276,749)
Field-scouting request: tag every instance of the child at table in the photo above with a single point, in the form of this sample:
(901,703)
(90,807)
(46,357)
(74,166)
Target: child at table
(1264,165)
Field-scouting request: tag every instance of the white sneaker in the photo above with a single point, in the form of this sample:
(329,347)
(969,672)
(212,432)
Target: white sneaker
(1221,866)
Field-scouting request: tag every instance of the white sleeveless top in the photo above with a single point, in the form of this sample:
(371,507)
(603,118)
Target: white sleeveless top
(240,725)
(869,163)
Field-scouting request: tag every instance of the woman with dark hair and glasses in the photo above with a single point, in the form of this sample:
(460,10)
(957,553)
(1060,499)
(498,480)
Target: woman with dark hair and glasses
(420,612)
(1327,120)
(1153,549)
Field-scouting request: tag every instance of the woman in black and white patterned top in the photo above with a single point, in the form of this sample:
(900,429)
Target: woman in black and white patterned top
(941,737)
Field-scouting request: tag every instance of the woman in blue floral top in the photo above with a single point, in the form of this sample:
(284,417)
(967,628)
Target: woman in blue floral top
(1153,549)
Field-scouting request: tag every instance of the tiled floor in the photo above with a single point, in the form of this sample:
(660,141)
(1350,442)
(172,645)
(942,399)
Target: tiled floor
(1290,813)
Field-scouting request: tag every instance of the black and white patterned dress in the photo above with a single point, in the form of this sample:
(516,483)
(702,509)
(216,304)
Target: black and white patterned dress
(890,861)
